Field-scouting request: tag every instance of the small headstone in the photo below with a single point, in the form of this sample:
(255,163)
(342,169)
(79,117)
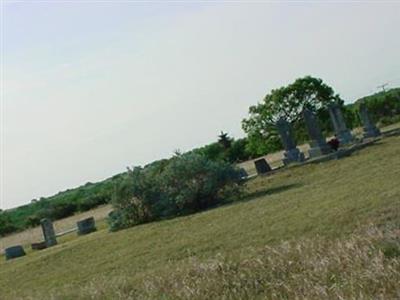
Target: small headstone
(292,153)
(262,166)
(14,252)
(86,226)
(48,232)
(370,130)
(39,245)
(318,145)
(339,125)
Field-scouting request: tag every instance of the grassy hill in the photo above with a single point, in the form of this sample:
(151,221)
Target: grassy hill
(318,231)
(383,106)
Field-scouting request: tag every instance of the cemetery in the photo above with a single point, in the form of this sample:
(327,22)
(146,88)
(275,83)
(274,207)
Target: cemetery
(319,151)
(331,188)
(323,205)
(199,150)
(83,227)
(319,148)
(283,209)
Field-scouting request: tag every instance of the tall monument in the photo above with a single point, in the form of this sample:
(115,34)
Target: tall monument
(318,145)
(292,153)
(339,125)
(370,130)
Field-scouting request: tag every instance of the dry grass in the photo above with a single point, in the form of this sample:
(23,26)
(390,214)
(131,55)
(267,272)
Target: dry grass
(355,268)
(35,234)
(310,269)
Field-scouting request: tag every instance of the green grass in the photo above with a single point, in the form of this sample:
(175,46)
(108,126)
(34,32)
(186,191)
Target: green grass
(316,207)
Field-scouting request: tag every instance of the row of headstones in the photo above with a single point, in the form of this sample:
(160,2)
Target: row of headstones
(50,239)
(318,145)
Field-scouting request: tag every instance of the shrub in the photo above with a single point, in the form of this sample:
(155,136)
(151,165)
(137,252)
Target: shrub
(90,202)
(61,210)
(6,225)
(214,151)
(33,220)
(185,184)
(385,121)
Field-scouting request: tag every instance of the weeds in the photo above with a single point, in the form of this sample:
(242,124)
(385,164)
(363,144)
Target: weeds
(354,268)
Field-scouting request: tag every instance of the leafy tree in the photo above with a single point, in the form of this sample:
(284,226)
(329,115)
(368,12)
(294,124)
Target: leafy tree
(259,144)
(224,140)
(288,103)
(213,151)
(225,149)
(238,151)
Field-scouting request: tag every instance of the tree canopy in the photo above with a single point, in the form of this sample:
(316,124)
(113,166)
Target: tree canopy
(288,103)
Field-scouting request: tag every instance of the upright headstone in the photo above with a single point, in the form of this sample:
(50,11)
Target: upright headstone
(292,153)
(370,130)
(318,145)
(262,166)
(339,125)
(48,232)
(86,226)
(14,252)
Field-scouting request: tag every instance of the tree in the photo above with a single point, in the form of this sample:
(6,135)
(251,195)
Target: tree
(237,151)
(224,140)
(288,103)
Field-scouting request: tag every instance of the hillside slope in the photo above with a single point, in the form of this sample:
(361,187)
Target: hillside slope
(383,107)
(322,203)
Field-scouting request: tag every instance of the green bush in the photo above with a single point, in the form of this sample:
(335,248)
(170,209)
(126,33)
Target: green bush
(383,107)
(185,184)
(385,121)
(61,210)
(6,225)
(33,220)
(90,202)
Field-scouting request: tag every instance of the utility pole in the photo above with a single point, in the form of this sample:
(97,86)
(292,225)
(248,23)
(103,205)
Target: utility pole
(382,86)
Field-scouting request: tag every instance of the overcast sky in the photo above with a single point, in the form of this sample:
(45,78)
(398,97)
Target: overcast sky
(89,88)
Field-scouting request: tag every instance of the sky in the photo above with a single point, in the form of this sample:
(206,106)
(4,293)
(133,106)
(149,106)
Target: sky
(91,87)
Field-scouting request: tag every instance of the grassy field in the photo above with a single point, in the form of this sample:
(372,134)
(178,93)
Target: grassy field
(320,231)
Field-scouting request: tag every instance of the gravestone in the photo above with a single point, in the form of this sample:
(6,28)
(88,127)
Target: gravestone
(14,252)
(38,246)
(86,226)
(292,153)
(343,134)
(262,166)
(318,145)
(48,232)
(370,130)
